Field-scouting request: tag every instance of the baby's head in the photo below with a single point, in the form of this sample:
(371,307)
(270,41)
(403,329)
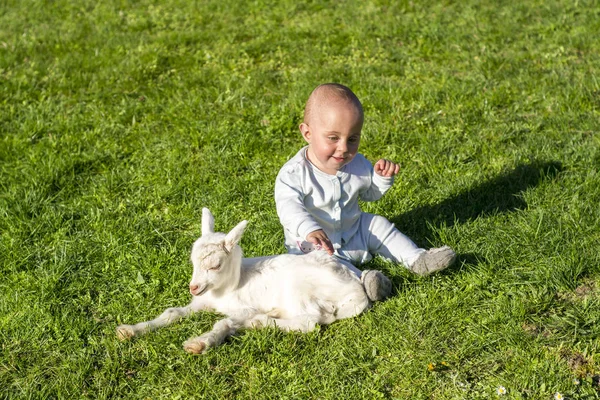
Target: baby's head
(333,119)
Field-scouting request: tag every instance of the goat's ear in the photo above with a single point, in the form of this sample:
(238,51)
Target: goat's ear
(234,236)
(208,222)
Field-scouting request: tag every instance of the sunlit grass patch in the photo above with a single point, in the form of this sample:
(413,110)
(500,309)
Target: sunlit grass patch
(119,121)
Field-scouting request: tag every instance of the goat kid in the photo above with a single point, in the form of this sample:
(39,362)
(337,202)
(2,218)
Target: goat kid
(291,292)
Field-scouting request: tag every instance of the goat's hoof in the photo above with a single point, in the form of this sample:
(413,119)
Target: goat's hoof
(125,332)
(195,346)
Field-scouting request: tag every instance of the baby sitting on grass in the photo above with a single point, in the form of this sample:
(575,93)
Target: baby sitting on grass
(317,193)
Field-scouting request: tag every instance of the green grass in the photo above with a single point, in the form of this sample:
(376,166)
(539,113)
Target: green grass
(120,120)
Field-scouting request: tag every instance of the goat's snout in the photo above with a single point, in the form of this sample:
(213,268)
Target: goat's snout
(194,289)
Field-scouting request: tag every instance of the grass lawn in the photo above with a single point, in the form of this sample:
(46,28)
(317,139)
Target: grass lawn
(120,120)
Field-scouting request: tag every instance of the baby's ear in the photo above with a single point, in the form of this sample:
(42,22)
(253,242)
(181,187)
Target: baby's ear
(305,131)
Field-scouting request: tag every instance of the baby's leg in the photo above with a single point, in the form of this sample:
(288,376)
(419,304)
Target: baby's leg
(384,239)
(350,266)
(377,286)
(387,241)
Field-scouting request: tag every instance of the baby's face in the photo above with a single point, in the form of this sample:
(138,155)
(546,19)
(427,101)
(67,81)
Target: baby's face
(333,136)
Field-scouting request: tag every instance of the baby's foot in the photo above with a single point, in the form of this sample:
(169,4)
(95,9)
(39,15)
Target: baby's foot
(434,260)
(377,286)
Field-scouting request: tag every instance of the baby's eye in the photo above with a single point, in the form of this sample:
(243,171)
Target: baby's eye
(353,139)
(333,138)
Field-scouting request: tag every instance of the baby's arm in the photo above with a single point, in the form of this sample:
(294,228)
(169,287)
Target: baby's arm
(382,178)
(386,168)
(289,201)
(319,238)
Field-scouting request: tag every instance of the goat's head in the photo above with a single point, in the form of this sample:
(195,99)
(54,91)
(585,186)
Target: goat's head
(216,257)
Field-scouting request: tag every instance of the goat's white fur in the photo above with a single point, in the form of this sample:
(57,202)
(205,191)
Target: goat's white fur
(291,292)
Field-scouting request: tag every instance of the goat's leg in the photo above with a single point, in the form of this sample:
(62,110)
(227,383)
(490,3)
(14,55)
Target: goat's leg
(302,323)
(353,305)
(221,330)
(169,316)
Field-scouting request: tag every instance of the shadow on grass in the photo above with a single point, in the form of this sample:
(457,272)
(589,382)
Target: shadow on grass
(401,279)
(499,195)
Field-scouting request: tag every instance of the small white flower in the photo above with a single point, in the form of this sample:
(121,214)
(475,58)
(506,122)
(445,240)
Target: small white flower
(558,396)
(501,391)
(576,381)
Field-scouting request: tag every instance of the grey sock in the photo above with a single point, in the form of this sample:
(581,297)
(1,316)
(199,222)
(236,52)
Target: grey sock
(434,260)
(377,286)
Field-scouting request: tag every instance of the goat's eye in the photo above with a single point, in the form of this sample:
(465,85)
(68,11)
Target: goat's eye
(215,268)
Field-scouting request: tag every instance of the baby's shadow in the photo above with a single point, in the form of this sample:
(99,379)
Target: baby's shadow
(499,195)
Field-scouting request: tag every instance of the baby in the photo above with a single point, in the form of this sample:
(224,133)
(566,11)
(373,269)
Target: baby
(317,193)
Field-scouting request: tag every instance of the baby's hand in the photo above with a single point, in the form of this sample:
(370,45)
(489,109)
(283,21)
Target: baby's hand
(319,238)
(386,168)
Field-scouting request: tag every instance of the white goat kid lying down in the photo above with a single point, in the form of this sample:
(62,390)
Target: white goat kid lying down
(292,292)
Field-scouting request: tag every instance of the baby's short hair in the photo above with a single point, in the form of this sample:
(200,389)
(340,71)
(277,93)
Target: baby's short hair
(330,92)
